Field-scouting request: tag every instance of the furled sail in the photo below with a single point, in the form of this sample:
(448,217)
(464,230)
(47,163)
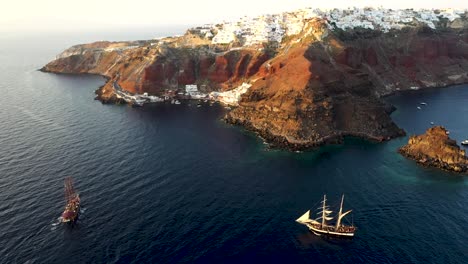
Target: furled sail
(324,211)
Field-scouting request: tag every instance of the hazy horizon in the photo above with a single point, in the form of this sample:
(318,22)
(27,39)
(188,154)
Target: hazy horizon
(54,16)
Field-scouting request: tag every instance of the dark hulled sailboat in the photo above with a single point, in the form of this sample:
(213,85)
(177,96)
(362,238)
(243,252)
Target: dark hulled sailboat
(72,209)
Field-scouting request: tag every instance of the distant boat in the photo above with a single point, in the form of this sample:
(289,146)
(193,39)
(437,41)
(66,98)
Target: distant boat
(72,209)
(177,102)
(423,103)
(432,123)
(464,142)
(138,103)
(322,227)
(419,108)
(447,132)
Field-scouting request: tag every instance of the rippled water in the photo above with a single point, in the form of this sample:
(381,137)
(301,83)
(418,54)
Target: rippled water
(171,183)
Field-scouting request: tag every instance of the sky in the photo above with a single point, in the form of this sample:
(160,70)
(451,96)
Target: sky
(66,15)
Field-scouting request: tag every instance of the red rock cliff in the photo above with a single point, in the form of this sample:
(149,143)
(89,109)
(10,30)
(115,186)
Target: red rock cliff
(315,88)
(152,69)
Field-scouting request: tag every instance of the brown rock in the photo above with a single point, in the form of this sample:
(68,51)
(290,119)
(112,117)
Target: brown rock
(436,149)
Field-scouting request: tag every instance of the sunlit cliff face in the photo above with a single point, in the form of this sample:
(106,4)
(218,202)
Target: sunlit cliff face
(315,87)
(435,148)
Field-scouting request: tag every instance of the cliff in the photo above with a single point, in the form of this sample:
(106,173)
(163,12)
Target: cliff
(313,86)
(155,66)
(330,85)
(435,149)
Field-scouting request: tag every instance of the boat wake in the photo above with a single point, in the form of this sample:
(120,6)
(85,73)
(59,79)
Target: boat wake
(38,118)
(82,213)
(56,223)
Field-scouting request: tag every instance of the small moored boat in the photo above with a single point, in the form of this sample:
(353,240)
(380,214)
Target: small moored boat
(465,142)
(322,227)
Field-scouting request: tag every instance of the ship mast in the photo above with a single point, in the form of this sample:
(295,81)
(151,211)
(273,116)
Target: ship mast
(340,214)
(323,210)
(69,191)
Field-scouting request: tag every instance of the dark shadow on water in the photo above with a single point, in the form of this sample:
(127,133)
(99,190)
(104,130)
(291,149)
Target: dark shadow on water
(437,175)
(310,240)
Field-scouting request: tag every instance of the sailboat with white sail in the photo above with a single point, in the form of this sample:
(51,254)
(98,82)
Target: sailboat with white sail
(321,226)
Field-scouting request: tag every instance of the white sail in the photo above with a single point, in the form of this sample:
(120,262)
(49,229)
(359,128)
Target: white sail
(325,212)
(341,215)
(324,207)
(304,218)
(314,222)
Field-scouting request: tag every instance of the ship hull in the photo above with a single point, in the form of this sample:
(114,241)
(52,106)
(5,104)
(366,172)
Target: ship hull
(72,211)
(71,220)
(330,233)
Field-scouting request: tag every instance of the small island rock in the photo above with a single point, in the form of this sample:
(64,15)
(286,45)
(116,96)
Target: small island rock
(435,149)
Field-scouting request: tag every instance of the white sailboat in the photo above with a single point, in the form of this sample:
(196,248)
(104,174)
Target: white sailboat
(322,227)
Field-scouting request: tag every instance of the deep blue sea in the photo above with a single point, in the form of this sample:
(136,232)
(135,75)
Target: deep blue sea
(172,183)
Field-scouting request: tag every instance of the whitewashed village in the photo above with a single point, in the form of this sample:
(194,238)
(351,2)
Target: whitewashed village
(252,32)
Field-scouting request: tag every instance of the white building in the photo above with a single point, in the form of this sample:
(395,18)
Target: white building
(191,89)
(267,28)
(231,97)
(225,35)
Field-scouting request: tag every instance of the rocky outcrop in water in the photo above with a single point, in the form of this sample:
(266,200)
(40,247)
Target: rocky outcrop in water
(435,149)
(313,88)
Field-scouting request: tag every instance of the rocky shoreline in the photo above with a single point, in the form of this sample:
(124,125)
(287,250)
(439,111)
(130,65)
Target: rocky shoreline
(280,142)
(435,149)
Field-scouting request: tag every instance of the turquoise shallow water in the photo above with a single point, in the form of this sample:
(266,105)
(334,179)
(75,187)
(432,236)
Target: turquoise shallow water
(168,183)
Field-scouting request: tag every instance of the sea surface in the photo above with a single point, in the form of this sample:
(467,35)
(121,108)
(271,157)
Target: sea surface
(172,183)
